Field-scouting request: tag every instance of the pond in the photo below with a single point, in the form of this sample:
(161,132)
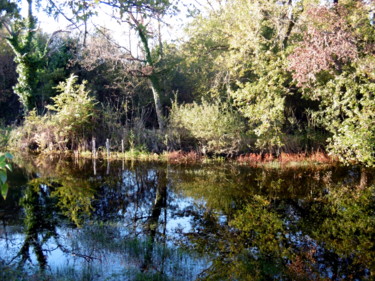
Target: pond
(95,220)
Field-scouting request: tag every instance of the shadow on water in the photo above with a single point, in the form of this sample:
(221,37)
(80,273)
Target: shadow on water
(84,220)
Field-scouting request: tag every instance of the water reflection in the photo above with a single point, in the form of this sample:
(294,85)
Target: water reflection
(39,222)
(147,221)
(296,224)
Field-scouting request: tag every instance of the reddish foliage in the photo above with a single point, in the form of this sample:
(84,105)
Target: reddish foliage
(183,157)
(328,42)
(249,158)
(303,266)
(292,157)
(253,158)
(284,158)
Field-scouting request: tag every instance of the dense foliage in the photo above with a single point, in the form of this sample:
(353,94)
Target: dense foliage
(221,129)
(68,128)
(249,76)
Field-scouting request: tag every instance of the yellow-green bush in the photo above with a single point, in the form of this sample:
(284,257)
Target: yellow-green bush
(215,127)
(67,125)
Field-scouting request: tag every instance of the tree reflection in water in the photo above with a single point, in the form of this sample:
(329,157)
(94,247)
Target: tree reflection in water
(277,232)
(163,222)
(152,222)
(39,223)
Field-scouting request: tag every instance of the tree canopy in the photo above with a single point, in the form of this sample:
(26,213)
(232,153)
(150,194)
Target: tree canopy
(296,76)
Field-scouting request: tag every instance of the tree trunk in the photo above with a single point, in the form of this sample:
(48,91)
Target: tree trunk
(26,70)
(291,24)
(363,182)
(154,81)
(153,78)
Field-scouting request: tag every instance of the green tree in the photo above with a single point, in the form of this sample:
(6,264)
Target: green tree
(31,49)
(217,127)
(334,64)
(139,15)
(245,56)
(74,111)
(20,37)
(69,127)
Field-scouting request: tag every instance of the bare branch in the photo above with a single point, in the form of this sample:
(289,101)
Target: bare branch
(50,40)
(60,11)
(129,56)
(8,28)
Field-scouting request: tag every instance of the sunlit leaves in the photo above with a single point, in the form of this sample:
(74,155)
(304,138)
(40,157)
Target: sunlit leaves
(69,122)
(348,112)
(4,167)
(334,65)
(74,109)
(263,103)
(216,126)
(28,56)
(239,49)
(328,43)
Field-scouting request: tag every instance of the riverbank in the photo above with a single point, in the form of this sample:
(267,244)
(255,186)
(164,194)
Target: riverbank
(194,157)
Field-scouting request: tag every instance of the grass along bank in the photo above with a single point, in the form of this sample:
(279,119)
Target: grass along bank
(195,157)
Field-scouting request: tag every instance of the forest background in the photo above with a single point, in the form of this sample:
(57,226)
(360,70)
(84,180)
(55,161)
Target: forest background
(243,77)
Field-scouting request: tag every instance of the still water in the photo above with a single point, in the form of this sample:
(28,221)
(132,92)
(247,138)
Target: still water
(120,220)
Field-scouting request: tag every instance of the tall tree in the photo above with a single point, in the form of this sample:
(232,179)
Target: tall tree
(140,15)
(334,64)
(30,51)
(21,32)
(248,52)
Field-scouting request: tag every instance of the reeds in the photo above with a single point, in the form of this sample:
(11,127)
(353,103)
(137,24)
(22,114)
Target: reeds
(183,157)
(317,157)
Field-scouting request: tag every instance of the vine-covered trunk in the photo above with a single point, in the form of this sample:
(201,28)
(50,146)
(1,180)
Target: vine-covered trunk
(21,45)
(154,84)
(153,77)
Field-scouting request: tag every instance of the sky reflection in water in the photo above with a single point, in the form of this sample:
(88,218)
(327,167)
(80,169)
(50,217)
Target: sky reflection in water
(152,221)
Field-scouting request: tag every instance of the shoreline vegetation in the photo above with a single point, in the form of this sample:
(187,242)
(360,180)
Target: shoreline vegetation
(292,83)
(266,99)
(194,157)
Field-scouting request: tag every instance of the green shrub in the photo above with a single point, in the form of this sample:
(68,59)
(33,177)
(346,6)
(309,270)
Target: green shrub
(70,126)
(4,137)
(4,166)
(216,127)
(74,110)
(32,134)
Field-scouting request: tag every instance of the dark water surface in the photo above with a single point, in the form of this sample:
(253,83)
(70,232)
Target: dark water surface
(84,220)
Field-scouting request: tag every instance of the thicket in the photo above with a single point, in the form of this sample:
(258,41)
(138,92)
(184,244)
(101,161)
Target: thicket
(259,76)
(68,124)
(208,127)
